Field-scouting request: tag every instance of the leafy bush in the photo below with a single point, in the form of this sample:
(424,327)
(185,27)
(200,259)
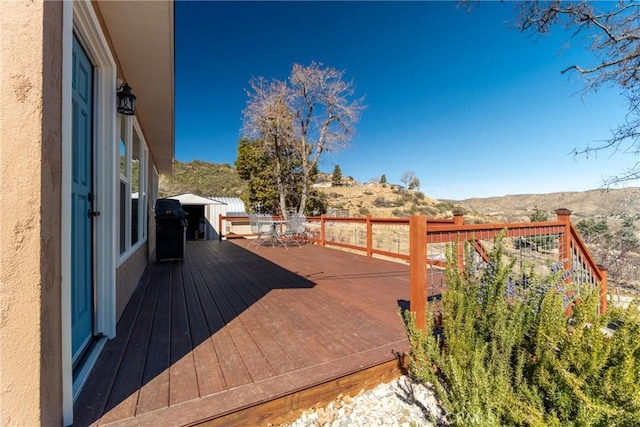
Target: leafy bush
(400,213)
(509,355)
(593,231)
(448,206)
(539,215)
(404,199)
(537,243)
(381,202)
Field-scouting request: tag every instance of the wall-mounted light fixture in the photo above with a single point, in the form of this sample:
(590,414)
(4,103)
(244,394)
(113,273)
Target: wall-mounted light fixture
(126,100)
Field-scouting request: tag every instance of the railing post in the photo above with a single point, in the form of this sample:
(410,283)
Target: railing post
(417,268)
(458,219)
(603,289)
(220,227)
(564,250)
(564,241)
(321,230)
(369,236)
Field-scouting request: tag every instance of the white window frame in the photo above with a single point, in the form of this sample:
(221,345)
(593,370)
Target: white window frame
(132,126)
(143,191)
(143,188)
(154,187)
(124,132)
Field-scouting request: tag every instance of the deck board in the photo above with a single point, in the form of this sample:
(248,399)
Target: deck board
(232,327)
(207,367)
(154,393)
(182,373)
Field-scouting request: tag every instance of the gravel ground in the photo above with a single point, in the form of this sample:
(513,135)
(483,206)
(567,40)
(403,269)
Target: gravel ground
(401,402)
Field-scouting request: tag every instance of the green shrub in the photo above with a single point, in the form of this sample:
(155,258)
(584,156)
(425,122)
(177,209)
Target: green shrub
(404,199)
(508,355)
(448,206)
(381,202)
(430,211)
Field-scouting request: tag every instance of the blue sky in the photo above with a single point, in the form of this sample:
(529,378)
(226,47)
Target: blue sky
(472,106)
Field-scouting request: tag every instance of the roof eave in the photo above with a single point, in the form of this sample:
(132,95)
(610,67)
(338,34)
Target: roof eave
(142,36)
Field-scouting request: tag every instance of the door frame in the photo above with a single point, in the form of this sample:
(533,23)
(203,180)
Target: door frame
(80,19)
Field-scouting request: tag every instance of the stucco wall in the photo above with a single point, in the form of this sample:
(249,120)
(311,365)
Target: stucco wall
(30,180)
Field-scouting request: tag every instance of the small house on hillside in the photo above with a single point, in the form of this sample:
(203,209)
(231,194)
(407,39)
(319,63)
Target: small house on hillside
(322,184)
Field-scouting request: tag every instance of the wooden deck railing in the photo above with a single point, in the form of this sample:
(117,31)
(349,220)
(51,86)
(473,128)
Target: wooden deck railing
(540,247)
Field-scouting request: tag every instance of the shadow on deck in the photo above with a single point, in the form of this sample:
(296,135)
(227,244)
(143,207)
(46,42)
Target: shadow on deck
(237,335)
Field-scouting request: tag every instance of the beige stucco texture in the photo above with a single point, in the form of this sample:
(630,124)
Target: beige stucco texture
(30,177)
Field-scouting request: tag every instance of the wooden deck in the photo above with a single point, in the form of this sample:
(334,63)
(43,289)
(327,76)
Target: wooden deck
(239,336)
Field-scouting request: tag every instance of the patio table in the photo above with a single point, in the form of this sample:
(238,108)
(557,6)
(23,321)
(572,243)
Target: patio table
(275,237)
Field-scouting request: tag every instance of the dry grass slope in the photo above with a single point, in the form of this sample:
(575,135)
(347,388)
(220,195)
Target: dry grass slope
(601,204)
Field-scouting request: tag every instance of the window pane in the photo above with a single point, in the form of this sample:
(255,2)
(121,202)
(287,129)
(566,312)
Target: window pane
(143,190)
(123,216)
(125,179)
(123,147)
(135,186)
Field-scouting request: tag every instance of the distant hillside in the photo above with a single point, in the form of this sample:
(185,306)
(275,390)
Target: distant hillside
(201,178)
(594,203)
(387,200)
(212,179)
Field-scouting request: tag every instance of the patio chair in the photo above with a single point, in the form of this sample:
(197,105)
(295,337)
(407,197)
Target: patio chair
(295,229)
(261,226)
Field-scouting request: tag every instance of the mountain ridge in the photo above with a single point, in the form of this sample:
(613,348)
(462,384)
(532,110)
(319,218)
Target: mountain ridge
(597,203)
(384,200)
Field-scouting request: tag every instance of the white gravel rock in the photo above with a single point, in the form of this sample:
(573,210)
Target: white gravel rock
(402,402)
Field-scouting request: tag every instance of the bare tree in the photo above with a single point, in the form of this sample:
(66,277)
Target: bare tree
(298,121)
(612,30)
(414,184)
(407,177)
(618,251)
(325,115)
(268,118)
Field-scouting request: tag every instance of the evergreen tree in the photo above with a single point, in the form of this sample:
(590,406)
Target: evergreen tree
(539,215)
(593,231)
(256,168)
(383,179)
(627,235)
(336,178)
